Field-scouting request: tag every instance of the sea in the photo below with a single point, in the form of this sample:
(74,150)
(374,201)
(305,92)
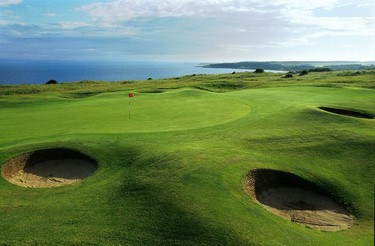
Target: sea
(39,72)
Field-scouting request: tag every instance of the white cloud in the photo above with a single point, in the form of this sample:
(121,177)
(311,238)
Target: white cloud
(303,13)
(206,28)
(241,22)
(303,4)
(50,14)
(9,2)
(7,17)
(335,24)
(296,11)
(367,5)
(73,24)
(121,10)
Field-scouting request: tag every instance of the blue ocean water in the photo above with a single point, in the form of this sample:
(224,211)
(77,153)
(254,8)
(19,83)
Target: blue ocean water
(39,72)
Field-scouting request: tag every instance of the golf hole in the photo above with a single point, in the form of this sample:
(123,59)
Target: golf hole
(296,199)
(48,168)
(347,112)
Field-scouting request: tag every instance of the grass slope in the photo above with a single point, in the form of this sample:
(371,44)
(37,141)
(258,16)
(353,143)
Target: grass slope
(173,173)
(109,113)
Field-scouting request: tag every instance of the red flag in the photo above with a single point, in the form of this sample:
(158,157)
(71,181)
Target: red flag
(131,94)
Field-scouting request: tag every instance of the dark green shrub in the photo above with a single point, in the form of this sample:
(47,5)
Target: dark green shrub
(320,69)
(288,75)
(304,72)
(51,82)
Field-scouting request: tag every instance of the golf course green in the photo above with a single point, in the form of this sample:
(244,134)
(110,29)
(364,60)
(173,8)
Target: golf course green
(173,170)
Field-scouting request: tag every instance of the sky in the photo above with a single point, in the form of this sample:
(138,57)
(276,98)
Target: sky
(188,30)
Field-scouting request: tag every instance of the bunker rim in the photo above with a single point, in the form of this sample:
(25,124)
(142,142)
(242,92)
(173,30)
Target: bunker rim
(296,199)
(47,168)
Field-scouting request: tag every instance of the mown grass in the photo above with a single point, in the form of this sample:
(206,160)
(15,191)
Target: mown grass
(172,174)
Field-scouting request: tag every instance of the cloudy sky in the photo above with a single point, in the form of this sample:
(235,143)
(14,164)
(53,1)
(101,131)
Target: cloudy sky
(188,30)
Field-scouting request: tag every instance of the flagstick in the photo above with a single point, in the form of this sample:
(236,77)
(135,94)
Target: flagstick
(130,95)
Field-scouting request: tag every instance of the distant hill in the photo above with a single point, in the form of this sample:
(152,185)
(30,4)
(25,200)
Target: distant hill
(295,66)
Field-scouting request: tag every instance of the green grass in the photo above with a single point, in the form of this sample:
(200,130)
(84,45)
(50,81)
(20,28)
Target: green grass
(109,113)
(172,174)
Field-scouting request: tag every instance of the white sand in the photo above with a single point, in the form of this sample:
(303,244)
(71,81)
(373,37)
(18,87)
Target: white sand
(306,207)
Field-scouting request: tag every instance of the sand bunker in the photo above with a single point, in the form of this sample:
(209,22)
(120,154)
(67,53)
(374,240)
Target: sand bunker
(48,168)
(296,199)
(346,112)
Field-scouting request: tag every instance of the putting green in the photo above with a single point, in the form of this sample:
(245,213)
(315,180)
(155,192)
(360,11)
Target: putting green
(109,113)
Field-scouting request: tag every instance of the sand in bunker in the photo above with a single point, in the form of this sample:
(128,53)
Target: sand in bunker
(306,207)
(53,173)
(296,199)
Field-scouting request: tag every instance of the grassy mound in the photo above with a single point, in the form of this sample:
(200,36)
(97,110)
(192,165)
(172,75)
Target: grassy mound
(173,173)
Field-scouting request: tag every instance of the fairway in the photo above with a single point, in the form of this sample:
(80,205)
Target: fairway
(174,172)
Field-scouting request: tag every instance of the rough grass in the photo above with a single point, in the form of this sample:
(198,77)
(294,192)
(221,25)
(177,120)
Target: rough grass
(173,174)
(215,83)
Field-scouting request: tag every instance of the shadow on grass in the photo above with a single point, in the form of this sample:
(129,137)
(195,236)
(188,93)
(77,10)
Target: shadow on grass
(347,112)
(161,218)
(78,95)
(153,91)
